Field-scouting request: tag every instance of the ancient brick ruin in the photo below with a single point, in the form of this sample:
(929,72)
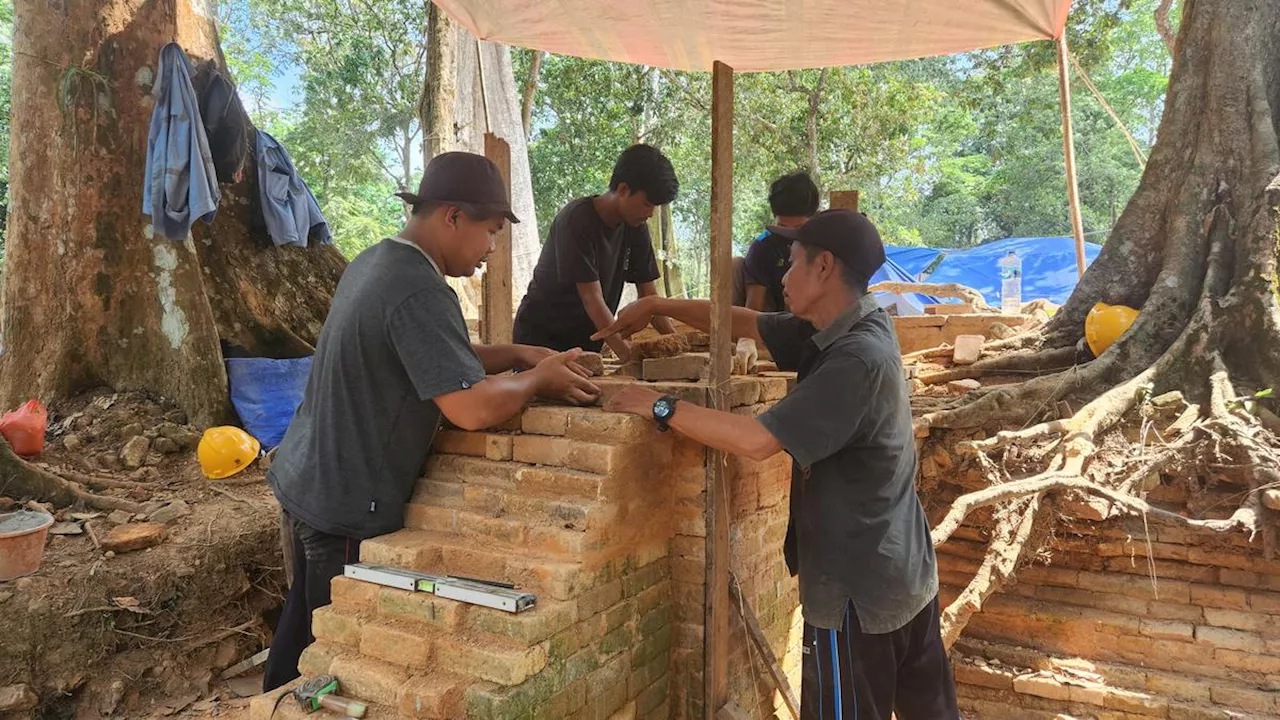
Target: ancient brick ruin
(602,517)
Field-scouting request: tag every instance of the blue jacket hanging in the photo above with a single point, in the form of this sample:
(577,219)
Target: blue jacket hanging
(181,185)
(288,207)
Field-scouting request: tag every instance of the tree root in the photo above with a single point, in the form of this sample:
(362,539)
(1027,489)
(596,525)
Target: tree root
(952,290)
(1008,544)
(21,478)
(1022,362)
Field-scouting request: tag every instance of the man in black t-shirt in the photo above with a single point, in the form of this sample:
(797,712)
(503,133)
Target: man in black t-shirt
(596,245)
(793,199)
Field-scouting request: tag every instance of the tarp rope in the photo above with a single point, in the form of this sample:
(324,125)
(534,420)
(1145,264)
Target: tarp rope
(1133,143)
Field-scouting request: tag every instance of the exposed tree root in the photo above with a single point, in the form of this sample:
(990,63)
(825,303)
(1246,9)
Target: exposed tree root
(20,478)
(1013,363)
(1008,544)
(952,290)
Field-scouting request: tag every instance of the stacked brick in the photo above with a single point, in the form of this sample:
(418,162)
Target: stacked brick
(603,518)
(1125,620)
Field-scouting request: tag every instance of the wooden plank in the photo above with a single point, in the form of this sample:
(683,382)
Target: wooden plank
(716,620)
(780,682)
(497,306)
(843,200)
(1069,150)
(731,711)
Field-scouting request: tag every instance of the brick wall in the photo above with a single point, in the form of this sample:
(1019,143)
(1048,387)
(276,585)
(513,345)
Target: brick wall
(603,518)
(1120,618)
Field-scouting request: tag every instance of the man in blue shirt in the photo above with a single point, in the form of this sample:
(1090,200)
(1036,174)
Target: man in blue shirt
(793,199)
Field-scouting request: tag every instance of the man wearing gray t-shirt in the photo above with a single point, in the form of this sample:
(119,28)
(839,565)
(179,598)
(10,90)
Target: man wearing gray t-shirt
(393,357)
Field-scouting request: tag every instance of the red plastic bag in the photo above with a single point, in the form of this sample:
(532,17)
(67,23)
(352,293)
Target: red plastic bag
(24,428)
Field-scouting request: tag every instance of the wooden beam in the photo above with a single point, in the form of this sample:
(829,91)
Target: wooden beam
(496,308)
(1069,150)
(780,682)
(843,200)
(716,620)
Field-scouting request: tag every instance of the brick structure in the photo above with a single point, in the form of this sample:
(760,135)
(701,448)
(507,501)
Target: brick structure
(1120,619)
(604,518)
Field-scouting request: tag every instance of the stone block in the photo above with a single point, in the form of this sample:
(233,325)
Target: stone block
(967,349)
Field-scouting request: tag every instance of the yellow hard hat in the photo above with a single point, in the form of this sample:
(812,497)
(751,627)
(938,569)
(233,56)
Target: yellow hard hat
(1105,324)
(225,451)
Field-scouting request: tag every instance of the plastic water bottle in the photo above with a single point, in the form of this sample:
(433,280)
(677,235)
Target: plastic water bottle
(1010,284)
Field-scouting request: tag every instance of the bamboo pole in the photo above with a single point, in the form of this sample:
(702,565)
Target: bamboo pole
(716,619)
(1069,150)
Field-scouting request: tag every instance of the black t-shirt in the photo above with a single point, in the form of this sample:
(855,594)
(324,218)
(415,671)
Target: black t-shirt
(768,259)
(581,248)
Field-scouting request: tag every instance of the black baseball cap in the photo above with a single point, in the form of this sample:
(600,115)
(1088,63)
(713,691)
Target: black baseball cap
(469,181)
(849,235)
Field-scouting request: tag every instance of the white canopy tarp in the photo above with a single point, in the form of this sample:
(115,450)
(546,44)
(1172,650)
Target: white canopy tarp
(758,35)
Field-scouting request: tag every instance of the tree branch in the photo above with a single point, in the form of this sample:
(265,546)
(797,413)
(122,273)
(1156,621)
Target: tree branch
(530,90)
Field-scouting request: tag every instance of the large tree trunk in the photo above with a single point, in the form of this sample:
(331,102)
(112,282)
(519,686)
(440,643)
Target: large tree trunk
(90,297)
(1196,250)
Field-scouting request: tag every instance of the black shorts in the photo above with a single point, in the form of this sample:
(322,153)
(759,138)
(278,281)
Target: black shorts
(847,674)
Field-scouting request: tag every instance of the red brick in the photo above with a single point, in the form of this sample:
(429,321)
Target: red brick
(396,644)
(474,444)
(559,483)
(1136,703)
(433,696)
(471,470)
(318,657)
(1089,695)
(1179,687)
(1168,630)
(982,676)
(423,608)
(430,518)
(562,452)
(545,420)
(329,624)
(370,680)
(530,627)
(1039,686)
(1238,620)
(1248,662)
(600,599)
(410,549)
(490,661)
(1264,602)
(594,425)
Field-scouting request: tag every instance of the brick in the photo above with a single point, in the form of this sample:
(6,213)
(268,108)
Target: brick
(1136,703)
(432,696)
(318,657)
(474,444)
(430,518)
(370,680)
(600,599)
(653,696)
(982,676)
(530,627)
(473,471)
(545,420)
(1235,619)
(329,624)
(1266,664)
(1179,687)
(559,483)
(1039,686)
(679,367)
(569,700)
(772,388)
(562,452)
(1089,695)
(1195,712)
(1168,630)
(492,662)
(1185,613)
(617,640)
(1230,639)
(641,580)
(353,595)
(421,608)
(1256,700)
(1264,602)
(620,614)
(395,644)
(594,425)
(1240,578)
(968,348)
(411,549)
(628,712)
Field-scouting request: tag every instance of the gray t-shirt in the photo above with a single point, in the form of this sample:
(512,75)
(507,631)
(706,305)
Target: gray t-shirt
(394,340)
(857,532)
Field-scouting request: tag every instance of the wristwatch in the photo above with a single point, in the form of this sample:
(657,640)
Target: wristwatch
(663,410)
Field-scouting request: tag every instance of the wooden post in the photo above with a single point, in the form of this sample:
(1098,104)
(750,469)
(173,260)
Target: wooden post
(716,621)
(1069,149)
(497,307)
(843,200)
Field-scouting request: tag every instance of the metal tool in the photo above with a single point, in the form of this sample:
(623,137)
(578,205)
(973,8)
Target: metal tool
(322,692)
(499,596)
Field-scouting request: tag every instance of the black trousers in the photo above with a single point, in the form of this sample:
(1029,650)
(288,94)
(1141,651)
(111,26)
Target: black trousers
(847,674)
(317,559)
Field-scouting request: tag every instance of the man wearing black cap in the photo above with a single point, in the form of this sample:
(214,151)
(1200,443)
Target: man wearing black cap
(857,536)
(595,247)
(393,357)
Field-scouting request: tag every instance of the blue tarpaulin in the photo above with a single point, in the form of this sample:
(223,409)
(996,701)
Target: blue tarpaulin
(266,393)
(908,303)
(1048,266)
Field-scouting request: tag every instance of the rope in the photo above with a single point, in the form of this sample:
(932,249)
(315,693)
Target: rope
(1133,143)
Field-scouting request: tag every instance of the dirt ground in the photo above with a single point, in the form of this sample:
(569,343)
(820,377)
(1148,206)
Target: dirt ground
(144,633)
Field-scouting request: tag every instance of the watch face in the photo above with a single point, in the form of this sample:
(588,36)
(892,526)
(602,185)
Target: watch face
(662,409)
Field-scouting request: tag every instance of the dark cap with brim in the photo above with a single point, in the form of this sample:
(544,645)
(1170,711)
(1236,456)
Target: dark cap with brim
(465,180)
(848,235)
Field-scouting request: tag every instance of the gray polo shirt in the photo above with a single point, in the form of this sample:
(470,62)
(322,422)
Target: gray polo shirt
(857,531)
(394,340)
